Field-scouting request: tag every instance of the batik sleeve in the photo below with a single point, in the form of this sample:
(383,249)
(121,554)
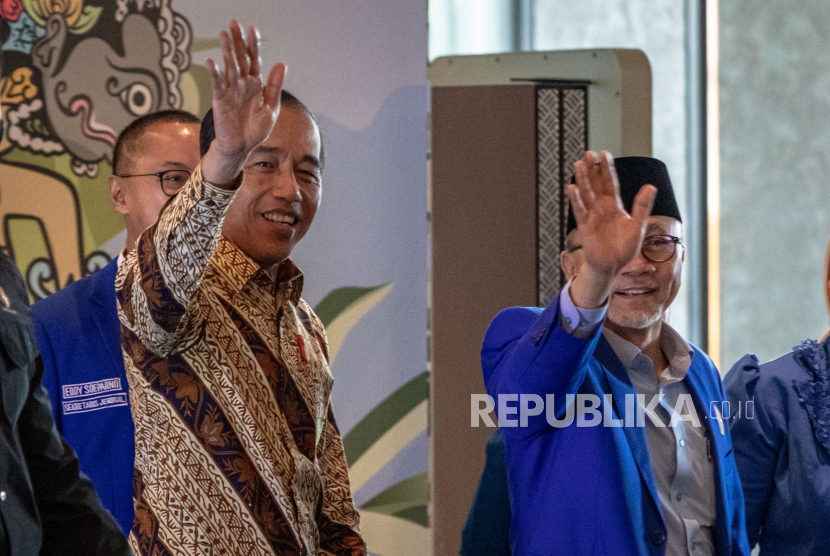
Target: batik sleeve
(158,279)
(338,521)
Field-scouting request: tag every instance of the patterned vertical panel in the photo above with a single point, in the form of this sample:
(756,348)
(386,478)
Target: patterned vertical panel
(574,130)
(561,128)
(548,190)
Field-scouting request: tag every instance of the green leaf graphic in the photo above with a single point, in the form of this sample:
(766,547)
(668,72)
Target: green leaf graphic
(343,308)
(406,500)
(337,301)
(384,416)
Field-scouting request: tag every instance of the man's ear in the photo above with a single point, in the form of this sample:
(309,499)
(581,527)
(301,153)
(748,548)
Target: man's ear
(117,198)
(569,264)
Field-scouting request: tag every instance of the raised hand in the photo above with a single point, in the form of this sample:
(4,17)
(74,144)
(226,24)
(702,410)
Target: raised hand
(244,112)
(610,237)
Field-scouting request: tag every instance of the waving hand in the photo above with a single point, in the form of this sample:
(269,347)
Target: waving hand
(610,237)
(244,112)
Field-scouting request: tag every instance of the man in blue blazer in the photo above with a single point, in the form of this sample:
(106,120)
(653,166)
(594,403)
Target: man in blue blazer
(77,328)
(614,436)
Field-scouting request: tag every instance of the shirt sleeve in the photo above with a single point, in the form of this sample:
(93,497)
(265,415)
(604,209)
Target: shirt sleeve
(339,522)
(529,353)
(50,371)
(582,323)
(158,279)
(757,440)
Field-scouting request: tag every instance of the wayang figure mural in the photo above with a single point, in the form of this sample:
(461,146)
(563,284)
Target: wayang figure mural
(74,74)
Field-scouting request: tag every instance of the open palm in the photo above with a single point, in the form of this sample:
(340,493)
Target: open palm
(610,236)
(244,112)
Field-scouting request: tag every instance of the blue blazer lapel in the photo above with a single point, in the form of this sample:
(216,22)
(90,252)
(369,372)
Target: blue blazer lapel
(616,380)
(699,392)
(104,310)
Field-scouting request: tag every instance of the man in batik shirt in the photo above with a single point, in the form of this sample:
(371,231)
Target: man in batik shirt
(237,450)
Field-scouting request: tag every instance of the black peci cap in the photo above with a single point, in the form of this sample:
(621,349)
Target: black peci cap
(633,173)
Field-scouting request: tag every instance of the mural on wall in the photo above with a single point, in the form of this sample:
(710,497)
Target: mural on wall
(74,74)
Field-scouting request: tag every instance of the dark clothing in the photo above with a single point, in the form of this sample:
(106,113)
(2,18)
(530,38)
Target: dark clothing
(79,337)
(780,421)
(46,506)
(487,531)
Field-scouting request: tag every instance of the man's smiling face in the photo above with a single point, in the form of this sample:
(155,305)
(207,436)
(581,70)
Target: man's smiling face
(280,193)
(644,290)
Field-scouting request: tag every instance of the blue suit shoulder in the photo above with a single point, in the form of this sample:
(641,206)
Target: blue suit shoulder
(510,323)
(772,379)
(55,307)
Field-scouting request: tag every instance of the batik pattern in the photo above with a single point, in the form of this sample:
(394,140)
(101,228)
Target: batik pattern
(237,449)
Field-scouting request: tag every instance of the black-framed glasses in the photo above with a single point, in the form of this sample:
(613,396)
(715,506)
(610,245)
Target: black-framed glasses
(171,180)
(657,249)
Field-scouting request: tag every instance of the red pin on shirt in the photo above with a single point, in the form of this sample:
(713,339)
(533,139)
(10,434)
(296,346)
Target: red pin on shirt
(301,345)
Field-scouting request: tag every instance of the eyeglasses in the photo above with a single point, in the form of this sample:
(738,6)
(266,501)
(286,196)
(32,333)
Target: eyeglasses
(171,180)
(657,249)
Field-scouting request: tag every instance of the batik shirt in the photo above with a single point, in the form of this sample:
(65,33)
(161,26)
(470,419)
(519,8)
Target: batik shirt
(237,449)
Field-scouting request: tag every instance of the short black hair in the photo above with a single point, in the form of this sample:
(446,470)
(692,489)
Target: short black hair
(208,133)
(133,131)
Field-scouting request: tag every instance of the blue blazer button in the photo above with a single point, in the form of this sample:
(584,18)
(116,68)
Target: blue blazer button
(658,538)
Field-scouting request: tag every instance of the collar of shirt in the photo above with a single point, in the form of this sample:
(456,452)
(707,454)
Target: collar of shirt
(675,348)
(286,279)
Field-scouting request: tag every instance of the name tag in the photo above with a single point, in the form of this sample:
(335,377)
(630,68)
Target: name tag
(92,396)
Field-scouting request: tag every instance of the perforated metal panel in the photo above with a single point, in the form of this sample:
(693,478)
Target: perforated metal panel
(561,139)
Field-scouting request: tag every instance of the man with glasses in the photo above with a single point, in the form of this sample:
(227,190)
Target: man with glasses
(77,328)
(614,436)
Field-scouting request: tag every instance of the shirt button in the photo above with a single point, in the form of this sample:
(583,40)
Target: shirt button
(682,442)
(2,495)
(658,538)
(679,497)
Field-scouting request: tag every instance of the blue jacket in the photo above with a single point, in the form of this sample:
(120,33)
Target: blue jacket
(591,490)
(46,506)
(79,337)
(487,530)
(782,448)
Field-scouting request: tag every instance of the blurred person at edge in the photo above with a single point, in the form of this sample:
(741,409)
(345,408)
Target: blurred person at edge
(77,328)
(667,485)
(237,448)
(780,421)
(47,506)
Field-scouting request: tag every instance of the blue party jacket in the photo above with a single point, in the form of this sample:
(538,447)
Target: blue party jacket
(79,337)
(591,490)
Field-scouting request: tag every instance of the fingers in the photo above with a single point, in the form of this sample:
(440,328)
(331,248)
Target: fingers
(217,81)
(593,170)
(240,49)
(273,87)
(643,203)
(229,59)
(583,183)
(610,184)
(253,52)
(577,206)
